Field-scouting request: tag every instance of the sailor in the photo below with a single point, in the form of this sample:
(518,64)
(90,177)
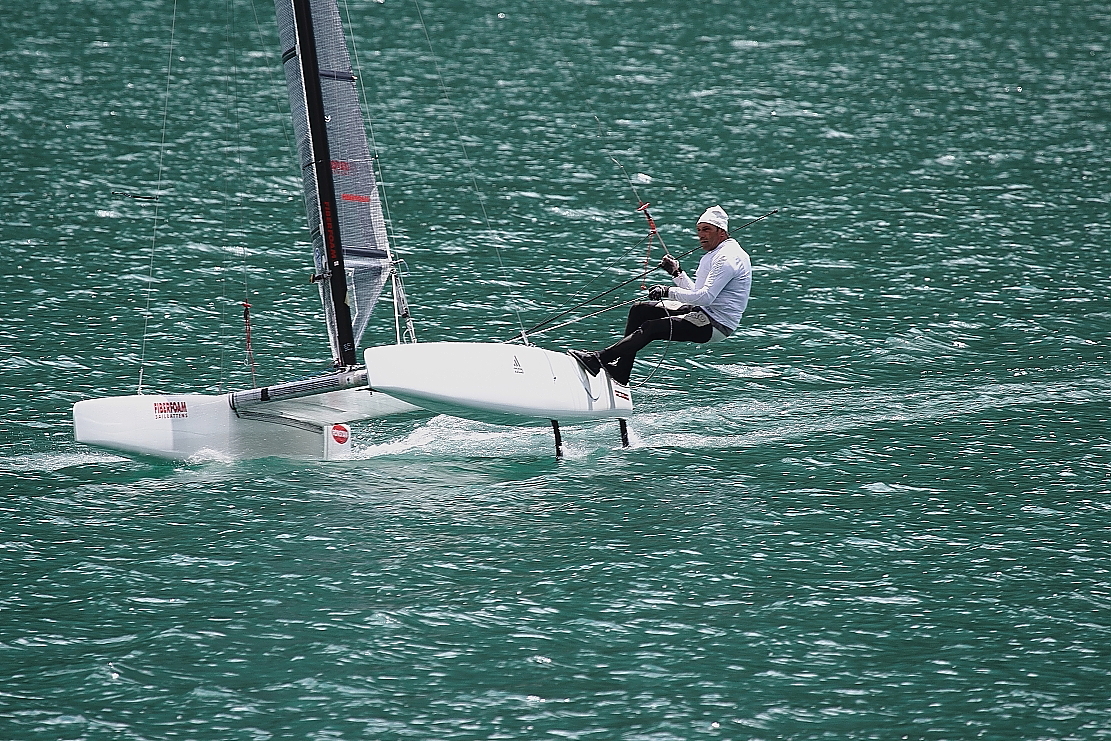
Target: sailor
(706,309)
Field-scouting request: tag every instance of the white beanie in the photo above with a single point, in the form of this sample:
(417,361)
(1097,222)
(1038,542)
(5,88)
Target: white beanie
(715,216)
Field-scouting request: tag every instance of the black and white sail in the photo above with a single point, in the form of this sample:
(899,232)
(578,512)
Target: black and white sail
(350,248)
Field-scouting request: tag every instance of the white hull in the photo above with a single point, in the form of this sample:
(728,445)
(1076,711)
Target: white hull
(499,383)
(183,426)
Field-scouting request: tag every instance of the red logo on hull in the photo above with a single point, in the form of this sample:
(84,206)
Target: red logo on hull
(341,434)
(170,410)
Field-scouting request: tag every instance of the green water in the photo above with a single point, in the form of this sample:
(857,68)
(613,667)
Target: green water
(879,511)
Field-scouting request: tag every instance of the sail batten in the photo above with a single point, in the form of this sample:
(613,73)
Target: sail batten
(350,248)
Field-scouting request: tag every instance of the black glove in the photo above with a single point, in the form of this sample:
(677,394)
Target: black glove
(670,266)
(656,293)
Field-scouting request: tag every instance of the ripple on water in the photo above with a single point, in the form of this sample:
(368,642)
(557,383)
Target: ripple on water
(877,511)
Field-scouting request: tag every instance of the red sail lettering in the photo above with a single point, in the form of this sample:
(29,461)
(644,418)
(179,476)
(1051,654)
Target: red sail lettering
(329,233)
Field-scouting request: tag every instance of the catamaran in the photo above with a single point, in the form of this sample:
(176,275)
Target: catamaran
(503,383)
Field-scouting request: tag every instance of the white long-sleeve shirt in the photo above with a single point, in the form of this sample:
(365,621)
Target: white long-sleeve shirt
(721,286)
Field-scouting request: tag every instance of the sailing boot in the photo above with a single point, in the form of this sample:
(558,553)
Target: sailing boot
(588,360)
(618,371)
(618,358)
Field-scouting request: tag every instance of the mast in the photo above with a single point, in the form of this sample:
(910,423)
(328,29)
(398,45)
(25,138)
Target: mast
(329,223)
(351,250)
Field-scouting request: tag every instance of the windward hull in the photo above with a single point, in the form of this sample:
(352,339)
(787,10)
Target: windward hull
(496,383)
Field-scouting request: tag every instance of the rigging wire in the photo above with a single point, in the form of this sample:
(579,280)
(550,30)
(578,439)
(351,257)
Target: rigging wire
(224,247)
(613,263)
(626,302)
(663,355)
(232,94)
(467,159)
(397,285)
(642,206)
(538,328)
(158,192)
(542,326)
(247,332)
(136,196)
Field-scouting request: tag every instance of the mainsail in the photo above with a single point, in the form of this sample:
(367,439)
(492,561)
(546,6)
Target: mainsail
(350,248)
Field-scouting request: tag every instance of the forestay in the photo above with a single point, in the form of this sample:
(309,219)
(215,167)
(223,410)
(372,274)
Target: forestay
(362,228)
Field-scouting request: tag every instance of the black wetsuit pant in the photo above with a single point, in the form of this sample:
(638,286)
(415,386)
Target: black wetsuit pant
(648,321)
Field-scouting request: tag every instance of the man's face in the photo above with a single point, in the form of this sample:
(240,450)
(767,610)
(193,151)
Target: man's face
(710,236)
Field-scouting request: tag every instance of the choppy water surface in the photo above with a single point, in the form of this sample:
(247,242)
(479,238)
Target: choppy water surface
(879,511)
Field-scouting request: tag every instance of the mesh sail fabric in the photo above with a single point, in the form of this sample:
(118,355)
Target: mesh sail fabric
(362,225)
